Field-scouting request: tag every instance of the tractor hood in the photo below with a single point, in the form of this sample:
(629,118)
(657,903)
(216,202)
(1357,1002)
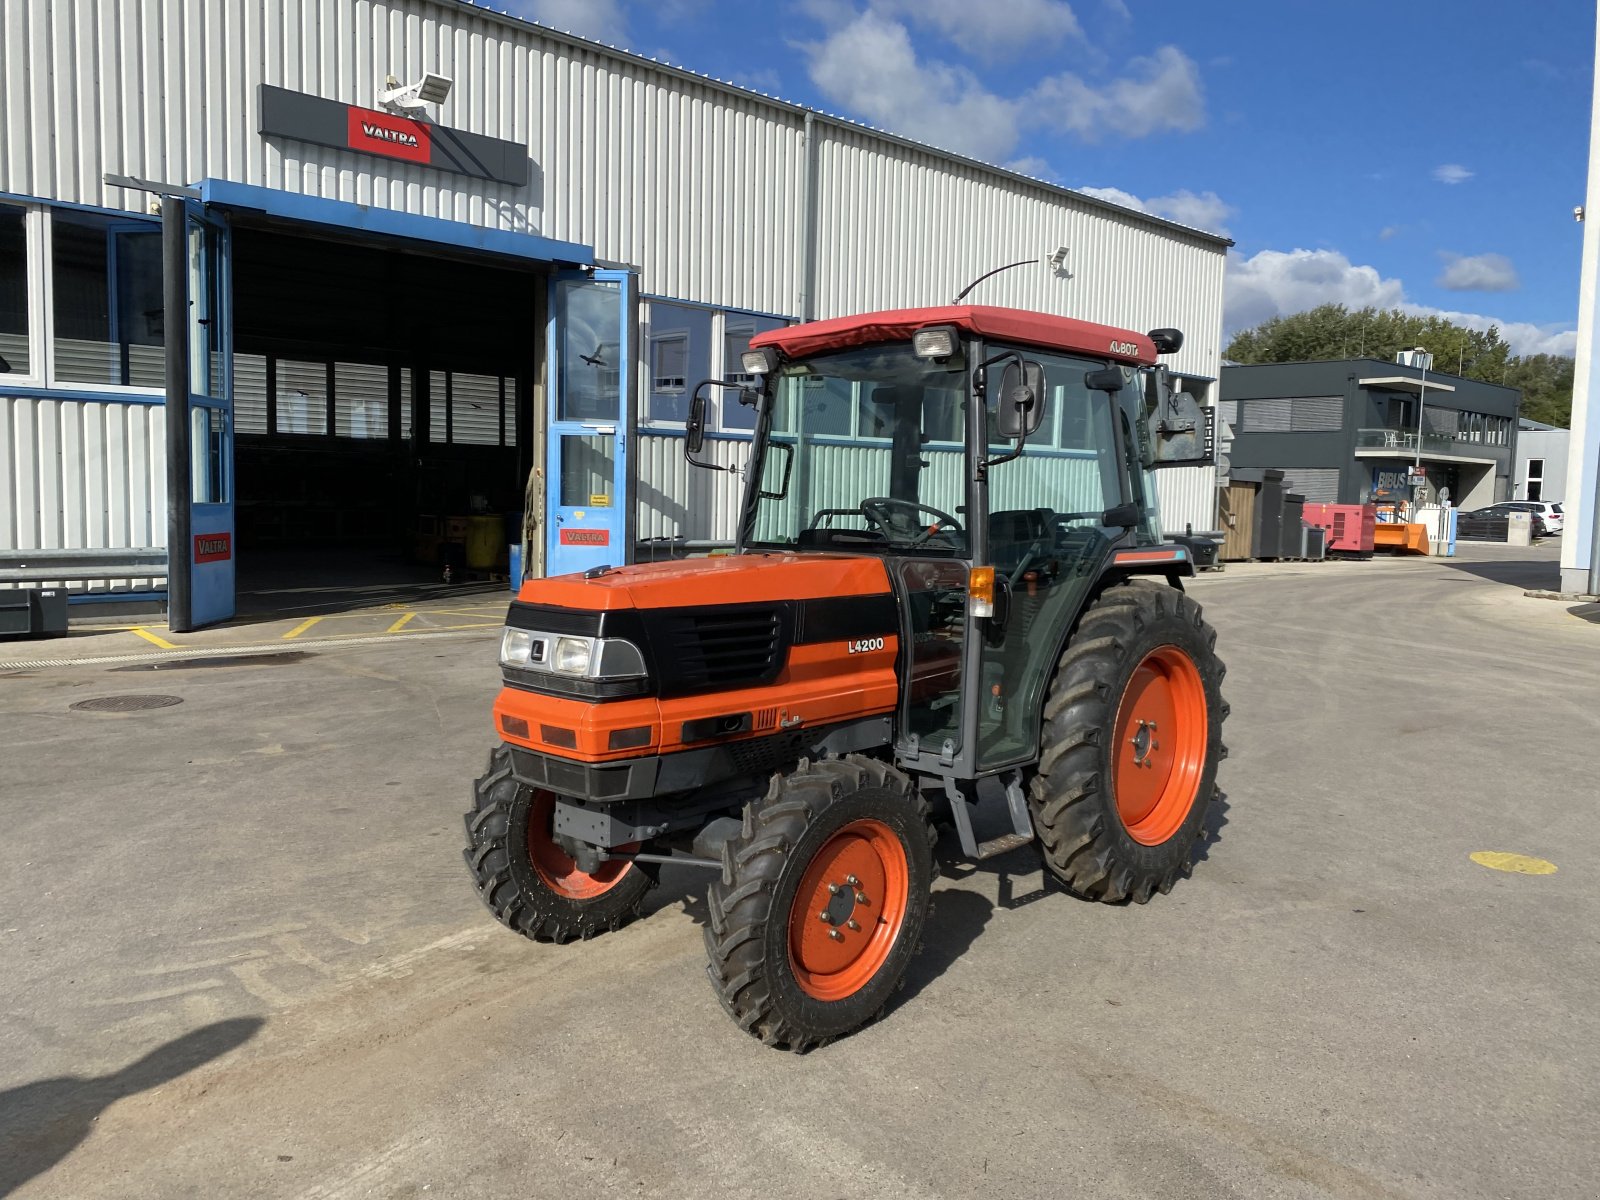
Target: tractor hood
(713,582)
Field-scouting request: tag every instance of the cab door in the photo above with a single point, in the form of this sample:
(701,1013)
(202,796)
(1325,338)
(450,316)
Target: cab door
(197,300)
(593,377)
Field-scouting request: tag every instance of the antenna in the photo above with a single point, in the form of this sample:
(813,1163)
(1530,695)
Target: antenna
(961,295)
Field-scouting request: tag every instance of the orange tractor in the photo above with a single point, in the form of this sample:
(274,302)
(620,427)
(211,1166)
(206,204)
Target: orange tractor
(950,601)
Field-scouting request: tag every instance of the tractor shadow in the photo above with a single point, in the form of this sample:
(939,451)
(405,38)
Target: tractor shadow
(44,1121)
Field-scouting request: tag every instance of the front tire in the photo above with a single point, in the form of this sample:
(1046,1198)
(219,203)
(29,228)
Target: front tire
(524,877)
(822,900)
(1132,739)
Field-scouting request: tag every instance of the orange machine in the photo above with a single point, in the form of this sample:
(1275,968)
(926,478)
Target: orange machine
(949,598)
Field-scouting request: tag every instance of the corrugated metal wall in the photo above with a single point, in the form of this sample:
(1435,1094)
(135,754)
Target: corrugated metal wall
(1188,498)
(82,474)
(901,227)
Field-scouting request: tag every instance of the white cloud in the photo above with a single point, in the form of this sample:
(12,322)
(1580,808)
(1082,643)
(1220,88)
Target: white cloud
(1159,93)
(598,20)
(1479,273)
(1275,283)
(1205,210)
(1387,232)
(997,30)
(868,65)
(1452,173)
(870,68)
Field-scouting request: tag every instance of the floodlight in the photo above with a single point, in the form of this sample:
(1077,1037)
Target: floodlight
(430,89)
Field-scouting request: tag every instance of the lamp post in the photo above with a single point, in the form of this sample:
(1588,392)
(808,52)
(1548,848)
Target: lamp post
(1422,360)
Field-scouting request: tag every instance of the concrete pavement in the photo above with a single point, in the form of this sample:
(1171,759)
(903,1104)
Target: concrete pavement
(239,954)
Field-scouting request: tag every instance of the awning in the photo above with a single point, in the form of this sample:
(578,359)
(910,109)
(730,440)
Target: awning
(1404,383)
(371,220)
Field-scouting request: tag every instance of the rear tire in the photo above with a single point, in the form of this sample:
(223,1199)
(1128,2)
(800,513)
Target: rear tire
(524,877)
(798,954)
(1132,739)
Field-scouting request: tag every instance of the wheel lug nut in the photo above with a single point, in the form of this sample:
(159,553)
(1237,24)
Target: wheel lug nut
(836,935)
(852,881)
(853,926)
(861,897)
(833,889)
(823,915)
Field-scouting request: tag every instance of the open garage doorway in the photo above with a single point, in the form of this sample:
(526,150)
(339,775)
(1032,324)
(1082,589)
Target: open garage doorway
(383,401)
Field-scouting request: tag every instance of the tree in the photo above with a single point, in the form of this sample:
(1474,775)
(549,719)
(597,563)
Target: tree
(1332,331)
(1546,383)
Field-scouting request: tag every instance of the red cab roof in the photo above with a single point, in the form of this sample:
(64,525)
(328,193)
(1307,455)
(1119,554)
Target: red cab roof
(1003,324)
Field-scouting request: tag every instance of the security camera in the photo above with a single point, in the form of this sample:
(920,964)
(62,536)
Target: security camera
(430,89)
(1577,213)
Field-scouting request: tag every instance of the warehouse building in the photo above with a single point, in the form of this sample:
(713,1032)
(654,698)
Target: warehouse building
(1352,431)
(318,293)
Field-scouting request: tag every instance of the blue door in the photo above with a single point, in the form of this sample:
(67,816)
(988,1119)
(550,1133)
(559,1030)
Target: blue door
(201,554)
(593,373)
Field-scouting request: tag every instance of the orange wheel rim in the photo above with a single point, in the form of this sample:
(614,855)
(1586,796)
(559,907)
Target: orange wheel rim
(1160,749)
(849,910)
(556,867)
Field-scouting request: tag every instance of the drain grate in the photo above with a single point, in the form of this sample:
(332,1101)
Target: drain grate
(125,703)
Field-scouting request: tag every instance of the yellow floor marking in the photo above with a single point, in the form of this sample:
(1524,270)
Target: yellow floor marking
(1521,864)
(401,623)
(476,625)
(302,627)
(152,638)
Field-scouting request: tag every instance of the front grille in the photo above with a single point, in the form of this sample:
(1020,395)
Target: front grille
(716,648)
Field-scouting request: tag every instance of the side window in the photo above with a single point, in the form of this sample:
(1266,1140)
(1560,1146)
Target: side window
(15,358)
(106,277)
(679,346)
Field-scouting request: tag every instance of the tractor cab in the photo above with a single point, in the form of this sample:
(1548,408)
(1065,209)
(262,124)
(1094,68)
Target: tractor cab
(996,460)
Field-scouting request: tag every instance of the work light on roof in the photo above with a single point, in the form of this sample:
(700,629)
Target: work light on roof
(936,341)
(762,361)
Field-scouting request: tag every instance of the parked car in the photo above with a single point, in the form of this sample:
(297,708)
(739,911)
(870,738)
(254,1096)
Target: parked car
(1504,510)
(1554,519)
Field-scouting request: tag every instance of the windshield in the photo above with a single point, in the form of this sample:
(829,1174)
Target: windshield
(866,451)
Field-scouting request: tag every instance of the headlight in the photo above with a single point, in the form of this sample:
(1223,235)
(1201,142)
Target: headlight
(572,655)
(515,647)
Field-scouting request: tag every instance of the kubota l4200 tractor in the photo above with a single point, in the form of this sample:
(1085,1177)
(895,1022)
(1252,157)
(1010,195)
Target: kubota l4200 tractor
(950,599)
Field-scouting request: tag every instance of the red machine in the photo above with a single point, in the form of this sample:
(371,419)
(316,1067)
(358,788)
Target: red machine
(1351,527)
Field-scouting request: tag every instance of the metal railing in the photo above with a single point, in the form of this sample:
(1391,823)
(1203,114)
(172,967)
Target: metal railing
(47,567)
(1404,441)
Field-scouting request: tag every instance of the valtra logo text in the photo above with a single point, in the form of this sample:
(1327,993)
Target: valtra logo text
(393,137)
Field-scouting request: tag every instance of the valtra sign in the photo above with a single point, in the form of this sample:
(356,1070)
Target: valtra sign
(396,137)
(304,118)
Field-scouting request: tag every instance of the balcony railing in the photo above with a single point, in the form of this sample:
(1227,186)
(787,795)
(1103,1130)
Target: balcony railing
(1403,441)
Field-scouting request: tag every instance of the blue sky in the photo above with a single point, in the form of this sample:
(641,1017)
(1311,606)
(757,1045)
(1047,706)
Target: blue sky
(1420,154)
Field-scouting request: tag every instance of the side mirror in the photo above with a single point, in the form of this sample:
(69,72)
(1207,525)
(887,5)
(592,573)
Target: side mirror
(1167,341)
(695,427)
(776,488)
(1020,409)
(1108,379)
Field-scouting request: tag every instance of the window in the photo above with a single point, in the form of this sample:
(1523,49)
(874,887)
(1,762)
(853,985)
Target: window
(1536,479)
(249,393)
(669,363)
(360,400)
(302,397)
(471,410)
(106,277)
(15,358)
(679,337)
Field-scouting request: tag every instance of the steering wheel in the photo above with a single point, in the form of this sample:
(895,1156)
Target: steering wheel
(875,509)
